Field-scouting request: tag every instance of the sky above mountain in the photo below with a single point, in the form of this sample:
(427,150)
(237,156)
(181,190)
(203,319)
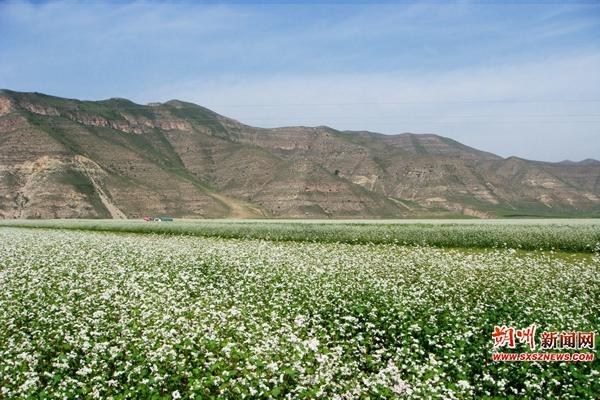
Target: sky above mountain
(514,78)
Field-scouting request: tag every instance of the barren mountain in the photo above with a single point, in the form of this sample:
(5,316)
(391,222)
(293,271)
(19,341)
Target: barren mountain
(63,158)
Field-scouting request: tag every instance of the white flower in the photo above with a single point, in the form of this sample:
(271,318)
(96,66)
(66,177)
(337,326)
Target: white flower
(84,371)
(400,387)
(312,344)
(463,384)
(300,320)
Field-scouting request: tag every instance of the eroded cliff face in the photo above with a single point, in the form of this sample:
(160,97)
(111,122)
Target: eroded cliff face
(63,158)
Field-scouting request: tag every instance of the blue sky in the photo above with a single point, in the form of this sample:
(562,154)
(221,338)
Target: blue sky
(514,78)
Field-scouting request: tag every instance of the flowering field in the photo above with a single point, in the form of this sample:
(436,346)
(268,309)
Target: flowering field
(124,315)
(575,235)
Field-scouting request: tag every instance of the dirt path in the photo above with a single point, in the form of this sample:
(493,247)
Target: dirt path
(239,208)
(89,167)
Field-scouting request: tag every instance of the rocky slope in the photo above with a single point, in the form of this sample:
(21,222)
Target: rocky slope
(63,158)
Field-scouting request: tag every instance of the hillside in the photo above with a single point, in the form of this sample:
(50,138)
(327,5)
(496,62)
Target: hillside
(64,158)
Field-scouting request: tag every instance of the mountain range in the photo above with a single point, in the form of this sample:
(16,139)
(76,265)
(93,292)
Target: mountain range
(66,158)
